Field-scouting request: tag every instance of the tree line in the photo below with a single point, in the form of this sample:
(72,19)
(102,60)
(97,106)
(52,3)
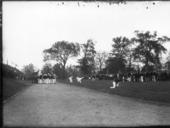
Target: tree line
(143,53)
(11,72)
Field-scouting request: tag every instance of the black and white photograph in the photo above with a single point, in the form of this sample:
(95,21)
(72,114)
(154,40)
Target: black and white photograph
(85,63)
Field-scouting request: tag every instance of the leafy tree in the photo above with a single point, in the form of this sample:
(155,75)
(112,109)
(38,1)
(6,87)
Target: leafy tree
(73,71)
(11,72)
(168,57)
(84,66)
(100,60)
(149,48)
(47,69)
(61,51)
(122,48)
(58,71)
(115,65)
(167,63)
(87,63)
(121,55)
(28,71)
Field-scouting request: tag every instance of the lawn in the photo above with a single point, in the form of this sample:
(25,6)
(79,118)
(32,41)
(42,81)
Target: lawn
(152,91)
(11,87)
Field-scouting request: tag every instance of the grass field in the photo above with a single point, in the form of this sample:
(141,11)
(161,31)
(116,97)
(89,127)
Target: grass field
(151,91)
(11,87)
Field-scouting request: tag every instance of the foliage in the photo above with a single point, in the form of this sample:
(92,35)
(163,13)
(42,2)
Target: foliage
(47,69)
(100,60)
(115,65)
(122,48)
(84,66)
(11,72)
(29,71)
(149,48)
(121,54)
(58,71)
(167,63)
(87,63)
(168,57)
(61,51)
(145,48)
(73,71)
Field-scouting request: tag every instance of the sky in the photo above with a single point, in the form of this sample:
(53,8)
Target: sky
(31,27)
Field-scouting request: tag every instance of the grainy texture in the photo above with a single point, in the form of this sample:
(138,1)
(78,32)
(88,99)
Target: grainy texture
(65,105)
(149,91)
(12,87)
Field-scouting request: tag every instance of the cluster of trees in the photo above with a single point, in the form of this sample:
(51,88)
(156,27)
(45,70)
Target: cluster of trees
(60,52)
(145,48)
(11,72)
(29,71)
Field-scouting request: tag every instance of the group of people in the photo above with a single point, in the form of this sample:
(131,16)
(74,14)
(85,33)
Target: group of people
(136,76)
(46,79)
(126,77)
(78,79)
(116,78)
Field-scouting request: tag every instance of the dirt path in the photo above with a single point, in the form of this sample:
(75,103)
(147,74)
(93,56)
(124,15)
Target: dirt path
(62,105)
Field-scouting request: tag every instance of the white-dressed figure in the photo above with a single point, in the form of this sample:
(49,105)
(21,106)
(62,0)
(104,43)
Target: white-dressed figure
(114,85)
(154,78)
(70,79)
(141,79)
(79,79)
(54,81)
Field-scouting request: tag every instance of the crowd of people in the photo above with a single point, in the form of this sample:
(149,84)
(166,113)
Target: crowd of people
(44,79)
(119,77)
(135,76)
